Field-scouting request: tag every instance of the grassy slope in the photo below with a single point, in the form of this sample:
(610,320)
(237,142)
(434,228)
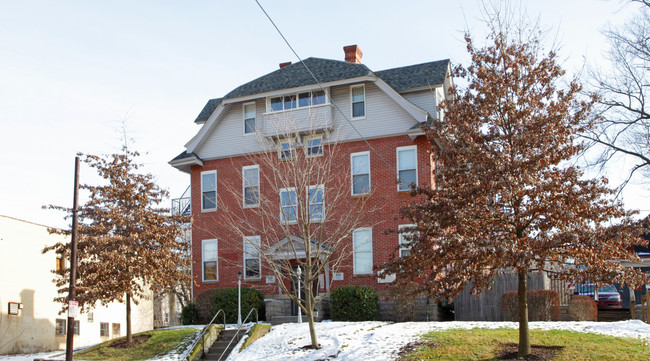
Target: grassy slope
(481,344)
(161,342)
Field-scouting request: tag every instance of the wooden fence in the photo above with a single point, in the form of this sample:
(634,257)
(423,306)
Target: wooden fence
(487,307)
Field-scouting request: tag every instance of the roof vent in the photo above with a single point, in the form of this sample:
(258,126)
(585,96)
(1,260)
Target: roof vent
(353,54)
(282,65)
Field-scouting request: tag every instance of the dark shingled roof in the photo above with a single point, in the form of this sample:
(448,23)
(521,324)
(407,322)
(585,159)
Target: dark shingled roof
(184,155)
(209,107)
(415,76)
(327,70)
(295,75)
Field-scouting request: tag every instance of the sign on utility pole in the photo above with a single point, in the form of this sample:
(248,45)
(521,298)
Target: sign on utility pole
(73,306)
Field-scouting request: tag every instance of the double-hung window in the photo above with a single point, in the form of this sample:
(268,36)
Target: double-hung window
(61,326)
(316,203)
(252,261)
(358,99)
(209,190)
(103,329)
(209,255)
(362,250)
(360,165)
(249,118)
(287,149)
(405,239)
(288,205)
(314,146)
(407,167)
(251,185)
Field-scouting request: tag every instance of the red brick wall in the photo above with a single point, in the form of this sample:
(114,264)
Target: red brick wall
(385,199)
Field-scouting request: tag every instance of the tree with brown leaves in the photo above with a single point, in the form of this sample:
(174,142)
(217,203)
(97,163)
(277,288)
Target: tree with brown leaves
(506,197)
(127,244)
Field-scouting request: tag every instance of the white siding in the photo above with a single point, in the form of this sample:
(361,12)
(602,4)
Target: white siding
(425,99)
(384,117)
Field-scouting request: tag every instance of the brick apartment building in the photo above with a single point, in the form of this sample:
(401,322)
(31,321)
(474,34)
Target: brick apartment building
(369,124)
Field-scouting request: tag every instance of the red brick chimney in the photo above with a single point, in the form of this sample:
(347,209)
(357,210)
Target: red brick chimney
(352,54)
(282,65)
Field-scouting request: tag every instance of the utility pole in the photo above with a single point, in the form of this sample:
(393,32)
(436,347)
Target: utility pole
(72,304)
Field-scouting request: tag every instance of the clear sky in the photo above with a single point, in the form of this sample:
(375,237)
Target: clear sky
(72,71)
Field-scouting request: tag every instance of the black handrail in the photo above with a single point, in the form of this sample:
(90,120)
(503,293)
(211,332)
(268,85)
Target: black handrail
(239,329)
(202,334)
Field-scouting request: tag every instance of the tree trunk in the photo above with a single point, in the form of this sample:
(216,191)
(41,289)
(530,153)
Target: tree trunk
(309,305)
(524,334)
(129,337)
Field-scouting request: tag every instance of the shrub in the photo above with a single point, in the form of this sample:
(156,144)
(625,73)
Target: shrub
(543,305)
(226,299)
(354,303)
(190,314)
(583,308)
(205,305)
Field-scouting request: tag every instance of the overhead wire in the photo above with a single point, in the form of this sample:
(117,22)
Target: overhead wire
(323,89)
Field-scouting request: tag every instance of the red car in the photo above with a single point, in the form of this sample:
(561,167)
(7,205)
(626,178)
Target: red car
(608,296)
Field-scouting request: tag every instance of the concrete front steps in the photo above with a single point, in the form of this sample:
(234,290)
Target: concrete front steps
(221,344)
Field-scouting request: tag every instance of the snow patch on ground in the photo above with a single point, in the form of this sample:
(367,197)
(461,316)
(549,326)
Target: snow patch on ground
(381,340)
(373,340)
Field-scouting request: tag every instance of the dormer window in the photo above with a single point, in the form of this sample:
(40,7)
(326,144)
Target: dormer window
(298,100)
(358,100)
(249,118)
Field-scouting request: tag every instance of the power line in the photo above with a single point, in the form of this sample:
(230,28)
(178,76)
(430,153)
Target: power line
(323,89)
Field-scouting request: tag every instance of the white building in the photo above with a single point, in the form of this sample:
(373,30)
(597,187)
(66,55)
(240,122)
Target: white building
(29,318)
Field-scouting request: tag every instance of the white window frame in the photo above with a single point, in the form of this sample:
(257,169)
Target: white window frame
(254,242)
(293,150)
(204,259)
(297,97)
(352,174)
(363,86)
(401,149)
(203,208)
(322,204)
(402,240)
(244,185)
(355,251)
(307,146)
(254,118)
(282,206)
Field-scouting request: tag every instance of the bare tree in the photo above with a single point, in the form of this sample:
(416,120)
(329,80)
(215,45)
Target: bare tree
(293,210)
(623,126)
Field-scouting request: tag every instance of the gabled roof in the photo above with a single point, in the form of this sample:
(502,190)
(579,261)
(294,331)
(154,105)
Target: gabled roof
(209,107)
(328,70)
(415,76)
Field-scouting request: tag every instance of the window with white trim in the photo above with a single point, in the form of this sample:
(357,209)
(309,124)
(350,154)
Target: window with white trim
(76,329)
(314,146)
(252,259)
(362,250)
(407,167)
(288,205)
(209,190)
(316,203)
(209,257)
(249,118)
(287,148)
(296,100)
(360,169)
(251,185)
(358,101)
(404,243)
